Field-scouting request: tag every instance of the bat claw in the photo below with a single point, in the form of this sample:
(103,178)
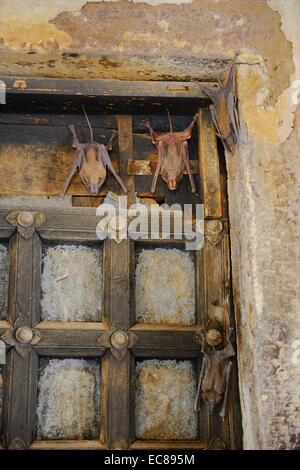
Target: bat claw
(146,124)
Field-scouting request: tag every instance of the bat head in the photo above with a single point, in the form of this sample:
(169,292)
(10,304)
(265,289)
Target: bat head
(211,399)
(92,172)
(172,179)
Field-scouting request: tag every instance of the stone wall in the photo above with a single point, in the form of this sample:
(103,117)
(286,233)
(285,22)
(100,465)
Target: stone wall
(180,39)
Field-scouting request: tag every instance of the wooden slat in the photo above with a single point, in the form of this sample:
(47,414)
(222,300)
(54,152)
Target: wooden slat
(121,401)
(61,235)
(20,398)
(24,288)
(147,167)
(20,383)
(217,279)
(159,341)
(168,445)
(126,154)
(98,121)
(72,339)
(119,374)
(209,166)
(105,400)
(120,267)
(38,160)
(72,223)
(114,88)
(218,305)
(67,445)
(64,343)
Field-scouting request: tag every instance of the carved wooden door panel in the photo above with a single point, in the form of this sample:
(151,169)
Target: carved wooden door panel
(89,364)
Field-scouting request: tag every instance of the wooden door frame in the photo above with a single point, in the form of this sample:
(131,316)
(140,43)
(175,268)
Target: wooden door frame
(212,284)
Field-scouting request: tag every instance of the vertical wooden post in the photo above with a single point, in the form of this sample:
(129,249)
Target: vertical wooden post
(126,153)
(21,373)
(209,167)
(119,397)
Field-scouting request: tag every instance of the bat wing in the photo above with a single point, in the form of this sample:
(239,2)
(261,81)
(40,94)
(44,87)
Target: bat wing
(158,166)
(78,160)
(227,383)
(186,133)
(198,394)
(103,154)
(219,133)
(231,106)
(186,160)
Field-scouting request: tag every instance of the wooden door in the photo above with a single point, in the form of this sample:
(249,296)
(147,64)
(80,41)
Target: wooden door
(118,366)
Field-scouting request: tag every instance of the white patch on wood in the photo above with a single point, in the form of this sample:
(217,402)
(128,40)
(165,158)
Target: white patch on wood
(72,283)
(68,399)
(4,274)
(165,393)
(165,287)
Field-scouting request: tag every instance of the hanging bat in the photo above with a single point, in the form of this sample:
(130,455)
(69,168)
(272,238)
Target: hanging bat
(215,372)
(224,110)
(91,159)
(173,155)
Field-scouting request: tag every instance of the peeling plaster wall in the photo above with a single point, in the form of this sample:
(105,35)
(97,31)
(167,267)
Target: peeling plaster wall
(177,40)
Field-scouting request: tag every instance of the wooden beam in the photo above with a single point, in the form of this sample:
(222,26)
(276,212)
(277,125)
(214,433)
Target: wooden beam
(115,88)
(121,402)
(69,342)
(126,154)
(148,445)
(67,445)
(209,166)
(162,341)
(20,399)
(147,167)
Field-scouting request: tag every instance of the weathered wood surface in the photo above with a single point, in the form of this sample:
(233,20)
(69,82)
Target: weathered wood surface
(159,341)
(126,154)
(20,398)
(121,402)
(209,166)
(67,445)
(81,340)
(115,88)
(36,160)
(168,445)
(146,168)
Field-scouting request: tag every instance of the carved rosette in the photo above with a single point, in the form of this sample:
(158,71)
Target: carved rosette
(214,231)
(118,341)
(17,444)
(216,444)
(22,339)
(213,333)
(25,221)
